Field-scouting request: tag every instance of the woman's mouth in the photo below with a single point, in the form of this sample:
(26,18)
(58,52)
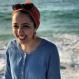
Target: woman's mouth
(22,37)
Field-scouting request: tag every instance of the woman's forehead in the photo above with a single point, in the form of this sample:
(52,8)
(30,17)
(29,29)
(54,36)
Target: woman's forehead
(19,14)
(21,17)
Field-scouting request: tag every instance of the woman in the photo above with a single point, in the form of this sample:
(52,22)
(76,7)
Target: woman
(29,56)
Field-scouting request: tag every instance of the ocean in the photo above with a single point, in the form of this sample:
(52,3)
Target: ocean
(59,24)
(57,17)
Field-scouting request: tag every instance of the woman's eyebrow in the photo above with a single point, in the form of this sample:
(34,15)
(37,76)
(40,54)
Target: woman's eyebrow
(25,24)
(14,23)
(21,24)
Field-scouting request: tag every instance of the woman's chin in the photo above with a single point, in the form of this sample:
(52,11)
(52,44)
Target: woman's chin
(22,41)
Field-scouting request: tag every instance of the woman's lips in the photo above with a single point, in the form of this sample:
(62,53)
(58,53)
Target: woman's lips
(22,37)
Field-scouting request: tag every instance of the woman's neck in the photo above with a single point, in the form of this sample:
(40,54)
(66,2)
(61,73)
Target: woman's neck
(30,46)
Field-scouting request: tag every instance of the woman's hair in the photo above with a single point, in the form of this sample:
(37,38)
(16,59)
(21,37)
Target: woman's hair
(26,13)
(29,9)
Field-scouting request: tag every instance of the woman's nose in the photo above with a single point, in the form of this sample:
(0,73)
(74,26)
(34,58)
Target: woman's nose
(20,30)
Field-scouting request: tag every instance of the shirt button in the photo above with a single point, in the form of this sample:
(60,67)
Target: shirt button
(23,63)
(22,73)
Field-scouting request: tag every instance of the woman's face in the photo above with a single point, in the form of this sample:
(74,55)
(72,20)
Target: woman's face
(22,27)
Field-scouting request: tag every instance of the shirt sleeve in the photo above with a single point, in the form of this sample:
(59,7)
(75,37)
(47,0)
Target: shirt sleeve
(8,69)
(53,71)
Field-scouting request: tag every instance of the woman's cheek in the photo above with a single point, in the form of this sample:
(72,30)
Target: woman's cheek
(14,32)
(27,32)
(30,33)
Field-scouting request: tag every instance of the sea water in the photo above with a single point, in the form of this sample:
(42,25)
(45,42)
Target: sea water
(57,17)
(59,23)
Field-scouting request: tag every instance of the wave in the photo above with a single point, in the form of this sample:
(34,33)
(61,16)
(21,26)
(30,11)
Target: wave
(53,17)
(5,16)
(74,14)
(61,13)
(6,37)
(68,46)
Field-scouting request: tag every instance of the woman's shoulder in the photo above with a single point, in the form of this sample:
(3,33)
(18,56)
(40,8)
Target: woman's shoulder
(50,48)
(48,43)
(12,44)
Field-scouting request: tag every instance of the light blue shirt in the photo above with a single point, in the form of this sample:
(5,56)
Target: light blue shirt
(42,63)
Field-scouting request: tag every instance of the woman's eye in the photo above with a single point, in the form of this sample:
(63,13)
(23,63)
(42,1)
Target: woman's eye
(15,26)
(26,26)
(21,27)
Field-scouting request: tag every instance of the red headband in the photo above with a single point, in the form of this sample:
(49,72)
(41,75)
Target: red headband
(32,9)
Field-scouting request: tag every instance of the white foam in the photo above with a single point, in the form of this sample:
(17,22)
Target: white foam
(68,47)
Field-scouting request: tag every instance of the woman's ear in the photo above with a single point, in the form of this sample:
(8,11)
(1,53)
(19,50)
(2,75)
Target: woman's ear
(36,28)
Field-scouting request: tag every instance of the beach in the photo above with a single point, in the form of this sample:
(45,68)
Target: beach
(69,56)
(2,63)
(68,46)
(59,23)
